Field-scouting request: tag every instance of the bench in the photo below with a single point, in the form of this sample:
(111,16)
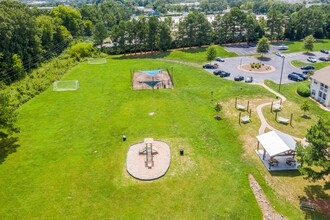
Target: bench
(245,119)
(307,206)
(283,120)
(240,107)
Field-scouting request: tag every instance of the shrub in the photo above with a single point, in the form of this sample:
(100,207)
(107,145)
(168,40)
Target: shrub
(303,91)
(81,50)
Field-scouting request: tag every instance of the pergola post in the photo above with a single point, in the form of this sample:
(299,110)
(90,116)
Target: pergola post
(258,146)
(275,115)
(250,113)
(291,119)
(235,102)
(239,118)
(247,107)
(271,107)
(264,155)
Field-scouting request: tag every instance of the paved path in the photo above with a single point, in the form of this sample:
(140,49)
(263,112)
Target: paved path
(264,123)
(181,62)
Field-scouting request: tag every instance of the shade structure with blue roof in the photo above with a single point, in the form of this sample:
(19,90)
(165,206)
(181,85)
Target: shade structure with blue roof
(151,72)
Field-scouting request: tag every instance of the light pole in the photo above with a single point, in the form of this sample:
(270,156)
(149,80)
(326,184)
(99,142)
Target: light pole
(279,87)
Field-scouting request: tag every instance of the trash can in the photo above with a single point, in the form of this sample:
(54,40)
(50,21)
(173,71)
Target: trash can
(181,151)
(124,138)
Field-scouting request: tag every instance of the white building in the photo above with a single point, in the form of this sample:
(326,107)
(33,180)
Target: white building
(320,86)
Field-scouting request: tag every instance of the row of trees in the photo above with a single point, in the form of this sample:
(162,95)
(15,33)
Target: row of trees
(29,36)
(235,26)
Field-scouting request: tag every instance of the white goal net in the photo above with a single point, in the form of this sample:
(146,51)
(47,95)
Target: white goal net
(96,60)
(68,85)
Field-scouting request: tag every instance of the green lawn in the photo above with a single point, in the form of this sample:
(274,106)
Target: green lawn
(193,55)
(297,46)
(292,105)
(319,65)
(71,159)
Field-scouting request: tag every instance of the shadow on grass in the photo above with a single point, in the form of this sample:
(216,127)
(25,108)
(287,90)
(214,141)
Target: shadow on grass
(143,55)
(10,147)
(287,173)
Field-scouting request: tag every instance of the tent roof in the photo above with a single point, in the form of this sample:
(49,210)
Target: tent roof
(276,142)
(151,72)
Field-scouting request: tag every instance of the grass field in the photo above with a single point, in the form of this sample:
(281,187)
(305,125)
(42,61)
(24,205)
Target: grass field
(292,105)
(71,159)
(297,46)
(193,55)
(318,65)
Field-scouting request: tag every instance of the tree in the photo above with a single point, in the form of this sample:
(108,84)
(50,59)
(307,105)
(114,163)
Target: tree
(211,53)
(8,118)
(18,68)
(305,107)
(165,39)
(263,45)
(69,17)
(99,33)
(218,107)
(152,32)
(314,157)
(309,43)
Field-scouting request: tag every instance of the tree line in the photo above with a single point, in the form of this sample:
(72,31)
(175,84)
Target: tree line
(29,36)
(148,34)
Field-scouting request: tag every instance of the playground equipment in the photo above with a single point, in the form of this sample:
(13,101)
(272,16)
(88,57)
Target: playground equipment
(149,152)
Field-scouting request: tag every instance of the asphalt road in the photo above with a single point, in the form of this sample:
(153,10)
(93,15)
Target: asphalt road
(231,65)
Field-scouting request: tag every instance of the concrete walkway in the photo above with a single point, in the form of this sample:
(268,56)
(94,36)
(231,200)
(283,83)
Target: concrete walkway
(264,123)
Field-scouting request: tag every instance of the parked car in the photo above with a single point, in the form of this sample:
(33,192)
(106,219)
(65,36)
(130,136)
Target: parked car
(306,72)
(239,78)
(220,59)
(303,76)
(224,74)
(249,79)
(307,68)
(295,77)
(312,59)
(209,66)
(279,54)
(324,51)
(282,47)
(217,72)
(323,59)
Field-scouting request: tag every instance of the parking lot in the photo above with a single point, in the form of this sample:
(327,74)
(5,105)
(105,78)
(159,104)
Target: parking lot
(231,65)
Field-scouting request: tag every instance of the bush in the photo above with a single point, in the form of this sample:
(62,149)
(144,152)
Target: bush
(303,91)
(81,50)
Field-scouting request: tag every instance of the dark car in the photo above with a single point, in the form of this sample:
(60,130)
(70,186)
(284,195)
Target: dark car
(220,59)
(249,79)
(224,74)
(295,77)
(303,76)
(307,68)
(239,78)
(209,66)
(323,59)
(217,72)
(306,72)
(324,51)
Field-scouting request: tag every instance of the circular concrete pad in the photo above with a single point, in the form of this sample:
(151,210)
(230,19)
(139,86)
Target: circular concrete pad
(135,162)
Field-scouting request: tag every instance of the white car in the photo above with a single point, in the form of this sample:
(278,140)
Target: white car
(219,59)
(282,47)
(279,54)
(312,59)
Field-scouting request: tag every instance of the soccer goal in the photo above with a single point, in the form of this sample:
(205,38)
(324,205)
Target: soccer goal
(96,60)
(68,85)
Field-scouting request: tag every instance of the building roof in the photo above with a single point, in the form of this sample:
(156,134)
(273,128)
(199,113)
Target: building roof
(276,142)
(322,75)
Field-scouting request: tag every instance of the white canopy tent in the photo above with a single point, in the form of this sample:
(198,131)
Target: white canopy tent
(276,143)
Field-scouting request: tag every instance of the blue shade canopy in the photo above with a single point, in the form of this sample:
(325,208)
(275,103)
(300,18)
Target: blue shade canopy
(151,72)
(151,83)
